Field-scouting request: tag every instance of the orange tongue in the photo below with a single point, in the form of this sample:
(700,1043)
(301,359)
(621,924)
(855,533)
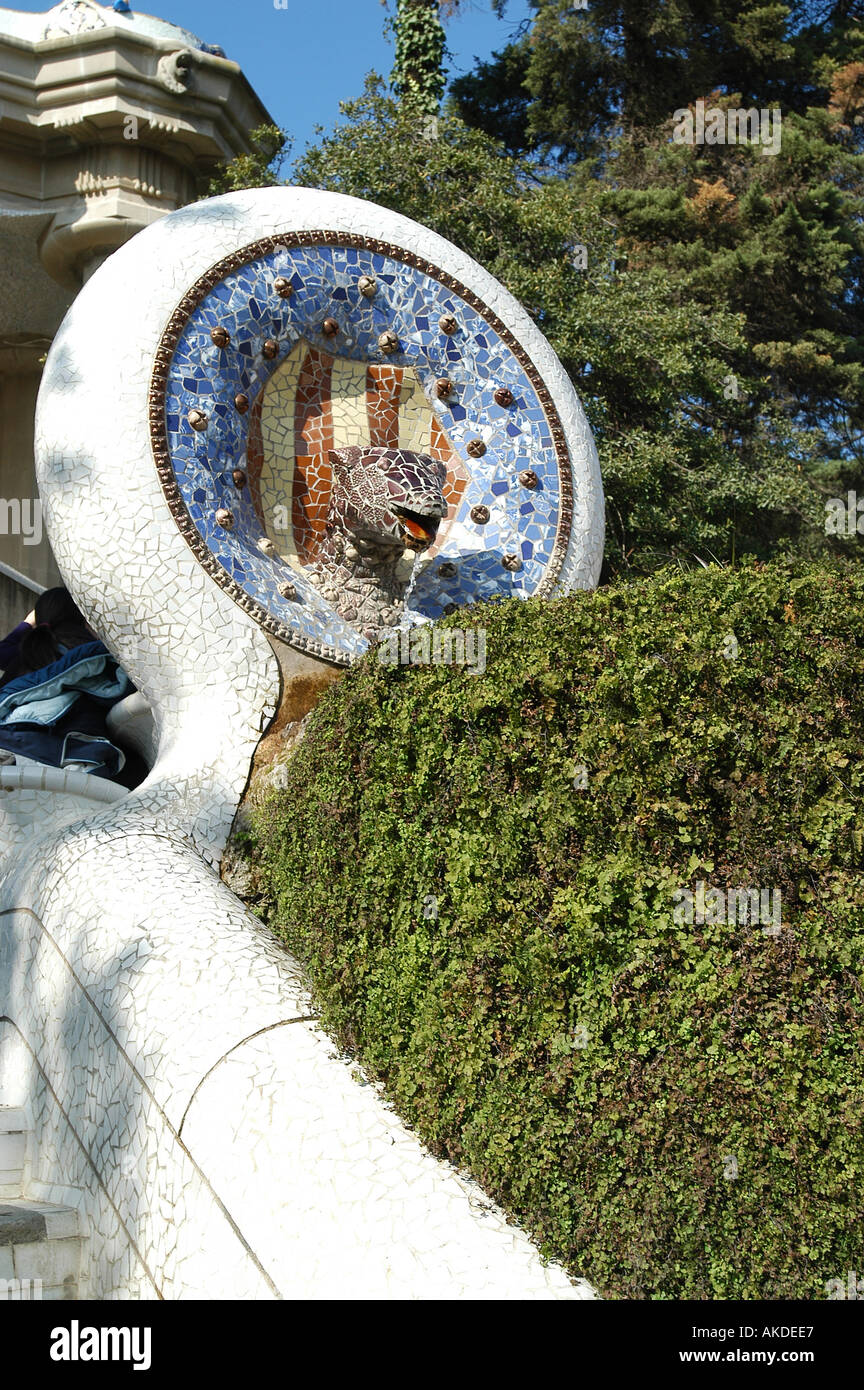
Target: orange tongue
(414,530)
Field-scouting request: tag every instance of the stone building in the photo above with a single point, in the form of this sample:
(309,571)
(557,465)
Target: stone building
(108,120)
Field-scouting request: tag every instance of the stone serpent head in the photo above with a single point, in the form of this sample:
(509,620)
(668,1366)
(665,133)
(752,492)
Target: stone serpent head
(389,497)
(383,503)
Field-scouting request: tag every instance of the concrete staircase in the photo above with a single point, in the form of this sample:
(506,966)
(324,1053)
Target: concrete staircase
(41,1244)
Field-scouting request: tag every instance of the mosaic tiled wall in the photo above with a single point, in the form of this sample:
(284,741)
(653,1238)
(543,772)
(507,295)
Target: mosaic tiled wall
(178,1089)
(314,402)
(297,345)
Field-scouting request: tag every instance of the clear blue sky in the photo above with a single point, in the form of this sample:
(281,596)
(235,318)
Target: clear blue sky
(304,59)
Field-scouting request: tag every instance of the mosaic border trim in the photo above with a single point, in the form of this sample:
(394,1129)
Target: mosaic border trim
(171,335)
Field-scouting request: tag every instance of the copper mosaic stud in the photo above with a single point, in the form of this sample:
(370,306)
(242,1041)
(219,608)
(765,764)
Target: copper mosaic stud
(270,349)
(528,478)
(448,324)
(330,328)
(480,515)
(238,477)
(368,286)
(197,419)
(220,336)
(443,388)
(511,562)
(448,570)
(288,590)
(388,342)
(224,518)
(504,396)
(266,546)
(283,287)
(241,403)
(476,448)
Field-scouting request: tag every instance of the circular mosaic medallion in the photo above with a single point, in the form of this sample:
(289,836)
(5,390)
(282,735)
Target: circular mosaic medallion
(302,366)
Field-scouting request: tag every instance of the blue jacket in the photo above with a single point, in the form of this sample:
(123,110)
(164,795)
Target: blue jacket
(57,714)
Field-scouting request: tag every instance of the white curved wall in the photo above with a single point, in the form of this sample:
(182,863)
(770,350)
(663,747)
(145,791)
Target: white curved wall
(183,1097)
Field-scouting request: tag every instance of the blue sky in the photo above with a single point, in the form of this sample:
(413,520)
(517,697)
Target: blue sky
(304,59)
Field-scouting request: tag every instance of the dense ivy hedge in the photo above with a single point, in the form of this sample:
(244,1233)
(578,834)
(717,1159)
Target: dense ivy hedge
(594,1063)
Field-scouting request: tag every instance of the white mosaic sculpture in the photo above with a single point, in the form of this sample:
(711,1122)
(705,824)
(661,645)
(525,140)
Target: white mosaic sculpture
(179,1091)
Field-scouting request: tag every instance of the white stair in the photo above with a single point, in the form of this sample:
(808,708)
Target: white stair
(13,1151)
(41,1245)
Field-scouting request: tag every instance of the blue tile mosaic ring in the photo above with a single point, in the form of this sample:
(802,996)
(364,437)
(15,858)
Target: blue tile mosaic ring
(301,344)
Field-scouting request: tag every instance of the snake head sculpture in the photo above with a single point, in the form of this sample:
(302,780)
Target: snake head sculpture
(383,503)
(387,497)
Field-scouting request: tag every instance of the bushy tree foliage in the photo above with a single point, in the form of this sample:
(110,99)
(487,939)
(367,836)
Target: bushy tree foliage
(259,168)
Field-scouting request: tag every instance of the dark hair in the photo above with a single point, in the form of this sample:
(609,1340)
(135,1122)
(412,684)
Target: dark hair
(60,626)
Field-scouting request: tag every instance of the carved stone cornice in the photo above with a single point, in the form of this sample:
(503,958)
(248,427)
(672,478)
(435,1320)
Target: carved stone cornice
(108,127)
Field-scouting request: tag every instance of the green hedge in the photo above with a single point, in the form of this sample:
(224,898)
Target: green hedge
(596,1064)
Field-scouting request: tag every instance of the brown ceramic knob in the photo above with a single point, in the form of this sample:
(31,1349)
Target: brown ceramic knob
(270,348)
(241,403)
(287,589)
(480,515)
(503,396)
(476,448)
(330,328)
(367,286)
(266,546)
(511,562)
(448,570)
(197,419)
(238,477)
(283,287)
(443,388)
(388,342)
(447,323)
(221,337)
(528,478)
(225,518)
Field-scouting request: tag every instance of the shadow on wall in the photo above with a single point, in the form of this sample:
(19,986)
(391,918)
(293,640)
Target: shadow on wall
(88,1147)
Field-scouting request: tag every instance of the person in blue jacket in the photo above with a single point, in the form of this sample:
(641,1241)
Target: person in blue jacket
(57,686)
(56,624)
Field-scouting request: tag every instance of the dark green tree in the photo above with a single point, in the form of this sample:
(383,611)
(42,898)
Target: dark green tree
(583,74)
(775,241)
(494,97)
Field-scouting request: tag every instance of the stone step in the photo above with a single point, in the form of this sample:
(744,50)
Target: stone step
(40,1251)
(13,1151)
